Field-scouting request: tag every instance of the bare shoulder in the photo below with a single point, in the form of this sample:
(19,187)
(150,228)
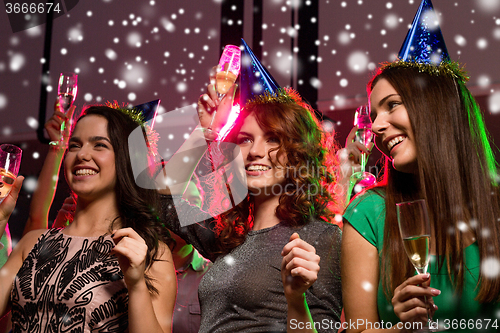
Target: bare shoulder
(24,246)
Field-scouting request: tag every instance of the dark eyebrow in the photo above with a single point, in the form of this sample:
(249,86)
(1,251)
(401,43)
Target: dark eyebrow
(382,101)
(92,139)
(99,138)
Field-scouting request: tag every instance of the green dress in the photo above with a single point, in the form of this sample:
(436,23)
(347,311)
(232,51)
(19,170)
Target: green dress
(458,313)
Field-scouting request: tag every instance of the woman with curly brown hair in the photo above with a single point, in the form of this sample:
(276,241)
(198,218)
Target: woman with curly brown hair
(266,250)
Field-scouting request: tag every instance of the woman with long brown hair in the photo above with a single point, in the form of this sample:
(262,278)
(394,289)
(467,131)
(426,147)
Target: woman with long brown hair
(436,147)
(266,250)
(111,268)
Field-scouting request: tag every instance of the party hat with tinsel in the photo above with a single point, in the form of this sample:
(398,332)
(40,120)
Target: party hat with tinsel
(424,47)
(424,43)
(254,77)
(149,110)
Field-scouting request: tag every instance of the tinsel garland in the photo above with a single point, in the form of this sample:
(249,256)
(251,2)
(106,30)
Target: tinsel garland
(446,68)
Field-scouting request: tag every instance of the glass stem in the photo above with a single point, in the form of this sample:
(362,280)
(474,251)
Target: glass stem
(363,161)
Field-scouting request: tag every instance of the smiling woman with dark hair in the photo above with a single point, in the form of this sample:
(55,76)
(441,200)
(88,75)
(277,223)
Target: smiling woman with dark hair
(110,269)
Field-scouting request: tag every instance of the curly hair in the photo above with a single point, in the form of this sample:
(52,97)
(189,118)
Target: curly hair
(138,208)
(310,170)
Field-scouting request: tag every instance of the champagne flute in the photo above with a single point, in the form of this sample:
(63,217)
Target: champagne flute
(227,72)
(364,134)
(10,160)
(66,94)
(66,90)
(228,69)
(415,230)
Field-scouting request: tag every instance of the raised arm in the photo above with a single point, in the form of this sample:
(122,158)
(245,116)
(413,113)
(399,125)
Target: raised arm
(49,175)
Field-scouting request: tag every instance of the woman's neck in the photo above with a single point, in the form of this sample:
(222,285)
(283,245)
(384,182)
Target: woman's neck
(94,218)
(265,212)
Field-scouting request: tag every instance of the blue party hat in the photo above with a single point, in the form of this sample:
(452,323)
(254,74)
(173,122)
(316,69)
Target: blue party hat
(254,77)
(149,111)
(424,43)
(424,47)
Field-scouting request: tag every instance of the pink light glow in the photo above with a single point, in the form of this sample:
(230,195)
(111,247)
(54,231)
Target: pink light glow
(230,59)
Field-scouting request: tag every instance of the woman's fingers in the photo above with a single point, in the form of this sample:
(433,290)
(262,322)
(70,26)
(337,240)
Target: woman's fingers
(9,202)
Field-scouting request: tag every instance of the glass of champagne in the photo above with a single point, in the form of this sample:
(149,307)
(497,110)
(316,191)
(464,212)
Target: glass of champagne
(362,179)
(227,72)
(228,69)
(10,161)
(66,94)
(415,230)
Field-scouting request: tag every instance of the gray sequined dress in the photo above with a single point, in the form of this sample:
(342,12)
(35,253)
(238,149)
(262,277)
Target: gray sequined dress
(243,291)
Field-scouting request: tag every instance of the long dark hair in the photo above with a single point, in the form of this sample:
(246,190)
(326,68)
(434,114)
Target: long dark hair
(455,170)
(311,165)
(138,208)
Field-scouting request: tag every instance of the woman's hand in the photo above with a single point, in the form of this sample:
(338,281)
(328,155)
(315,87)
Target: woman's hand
(350,156)
(9,203)
(299,268)
(408,301)
(53,125)
(131,251)
(209,105)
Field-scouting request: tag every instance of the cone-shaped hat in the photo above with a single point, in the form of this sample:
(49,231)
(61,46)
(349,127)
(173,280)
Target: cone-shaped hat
(254,77)
(424,42)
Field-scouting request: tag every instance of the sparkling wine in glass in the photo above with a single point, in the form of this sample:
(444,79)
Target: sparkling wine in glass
(66,94)
(10,161)
(66,90)
(362,179)
(415,230)
(228,69)
(227,72)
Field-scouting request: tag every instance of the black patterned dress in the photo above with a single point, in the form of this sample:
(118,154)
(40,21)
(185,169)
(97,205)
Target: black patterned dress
(70,284)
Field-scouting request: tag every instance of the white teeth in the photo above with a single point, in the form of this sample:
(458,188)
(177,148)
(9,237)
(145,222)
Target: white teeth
(395,141)
(258,168)
(85,172)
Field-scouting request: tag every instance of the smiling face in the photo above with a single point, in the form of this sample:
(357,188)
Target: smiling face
(392,127)
(90,161)
(263,173)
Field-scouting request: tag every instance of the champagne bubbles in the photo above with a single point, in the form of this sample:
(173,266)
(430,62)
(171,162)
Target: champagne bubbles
(87,97)
(110,54)
(460,40)
(357,62)
(3,101)
(490,267)
(131,96)
(32,122)
(343,82)
(17,61)
(494,102)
